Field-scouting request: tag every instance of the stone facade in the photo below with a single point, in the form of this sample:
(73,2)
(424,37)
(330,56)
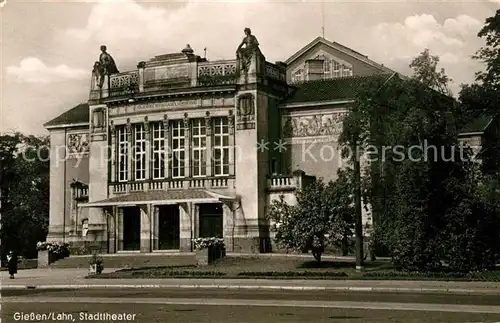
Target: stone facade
(182,147)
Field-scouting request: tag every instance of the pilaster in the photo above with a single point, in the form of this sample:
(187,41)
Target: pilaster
(232,147)
(113,169)
(187,147)
(57,184)
(208,127)
(149,160)
(166,130)
(98,170)
(130,152)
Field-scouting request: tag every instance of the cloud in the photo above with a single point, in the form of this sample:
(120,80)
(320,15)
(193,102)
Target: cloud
(454,41)
(135,31)
(33,70)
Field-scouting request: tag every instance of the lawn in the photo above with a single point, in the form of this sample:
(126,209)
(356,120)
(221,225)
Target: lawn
(292,268)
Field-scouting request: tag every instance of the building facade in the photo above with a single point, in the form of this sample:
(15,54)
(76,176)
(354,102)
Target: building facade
(182,147)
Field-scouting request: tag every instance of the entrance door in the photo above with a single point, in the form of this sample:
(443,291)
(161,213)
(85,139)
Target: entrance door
(131,228)
(168,227)
(211,221)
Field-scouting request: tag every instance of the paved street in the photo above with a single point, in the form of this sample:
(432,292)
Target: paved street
(173,305)
(75,277)
(55,295)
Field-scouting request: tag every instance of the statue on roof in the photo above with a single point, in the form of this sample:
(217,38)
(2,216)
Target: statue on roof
(106,66)
(245,54)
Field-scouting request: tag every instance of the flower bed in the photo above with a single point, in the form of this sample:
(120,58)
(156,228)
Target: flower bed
(208,250)
(57,248)
(49,252)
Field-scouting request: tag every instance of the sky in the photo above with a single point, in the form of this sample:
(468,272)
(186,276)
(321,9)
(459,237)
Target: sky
(48,47)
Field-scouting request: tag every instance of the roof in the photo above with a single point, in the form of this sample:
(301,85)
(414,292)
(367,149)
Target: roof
(331,89)
(76,115)
(161,197)
(340,48)
(478,124)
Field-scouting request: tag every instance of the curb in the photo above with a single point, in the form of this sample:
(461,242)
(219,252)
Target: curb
(256,287)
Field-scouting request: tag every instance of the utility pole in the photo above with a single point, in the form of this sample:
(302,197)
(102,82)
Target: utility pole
(358,214)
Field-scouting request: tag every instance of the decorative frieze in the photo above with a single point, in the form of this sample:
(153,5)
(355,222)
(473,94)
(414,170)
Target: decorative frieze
(245,112)
(316,125)
(78,144)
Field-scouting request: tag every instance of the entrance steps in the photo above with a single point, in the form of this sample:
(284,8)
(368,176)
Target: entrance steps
(130,260)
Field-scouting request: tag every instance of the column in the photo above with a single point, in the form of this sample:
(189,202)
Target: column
(231,143)
(119,228)
(149,160)
(112,230)
(208,127)
(228,226)
(113,171)
(154,220)
(146,228)
(129,150)
(187,147)
(186,227)
(167,147)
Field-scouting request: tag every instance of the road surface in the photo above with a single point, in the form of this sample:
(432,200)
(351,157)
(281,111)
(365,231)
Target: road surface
(177,305)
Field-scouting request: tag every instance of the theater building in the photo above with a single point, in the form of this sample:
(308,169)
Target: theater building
(182,147)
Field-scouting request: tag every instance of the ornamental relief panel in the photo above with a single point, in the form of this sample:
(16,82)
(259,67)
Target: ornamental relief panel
(78,144)
(311,126)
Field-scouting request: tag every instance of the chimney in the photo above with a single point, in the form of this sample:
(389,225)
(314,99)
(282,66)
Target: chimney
(314,69)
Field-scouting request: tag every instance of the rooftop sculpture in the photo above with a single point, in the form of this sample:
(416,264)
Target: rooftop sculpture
(104,67)
(251,49)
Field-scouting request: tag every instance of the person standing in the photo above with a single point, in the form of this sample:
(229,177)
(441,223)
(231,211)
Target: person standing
(12,264)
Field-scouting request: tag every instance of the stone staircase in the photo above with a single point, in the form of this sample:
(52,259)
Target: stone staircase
(129,260)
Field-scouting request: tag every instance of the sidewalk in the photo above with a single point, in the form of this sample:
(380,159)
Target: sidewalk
(74,279)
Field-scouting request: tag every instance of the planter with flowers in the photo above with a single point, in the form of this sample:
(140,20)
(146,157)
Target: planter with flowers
(208,250)
(96,264)
(50,252)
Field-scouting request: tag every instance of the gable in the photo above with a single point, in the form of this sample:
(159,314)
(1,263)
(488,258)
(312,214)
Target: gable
(341,56)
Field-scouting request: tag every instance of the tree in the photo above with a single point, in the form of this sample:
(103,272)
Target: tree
(322,216)
(423,189)
(490,54)
(425,70)
(482,98)
(24,192)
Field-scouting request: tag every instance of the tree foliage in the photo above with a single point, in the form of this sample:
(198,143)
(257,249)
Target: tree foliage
(24,169)
(424,190)
(490,53)
(322,215)
(426,71)
(482,98)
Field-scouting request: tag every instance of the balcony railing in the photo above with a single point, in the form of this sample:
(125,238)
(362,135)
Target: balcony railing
(172,184)
(217,73)
(282,183)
